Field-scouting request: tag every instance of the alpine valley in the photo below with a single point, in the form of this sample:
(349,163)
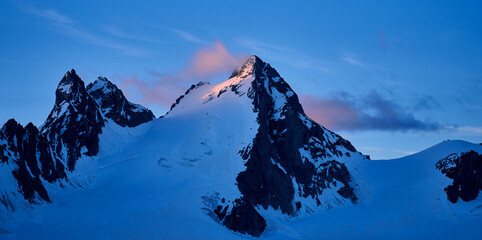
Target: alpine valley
(234,160)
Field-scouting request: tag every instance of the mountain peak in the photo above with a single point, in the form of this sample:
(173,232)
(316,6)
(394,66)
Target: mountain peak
(104,79)
(72,75)
(71,72)
(249,67)
(114,105)
(68,86)
(74,122)
(102,83)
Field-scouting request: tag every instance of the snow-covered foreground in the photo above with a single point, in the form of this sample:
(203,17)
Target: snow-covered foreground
(147,183)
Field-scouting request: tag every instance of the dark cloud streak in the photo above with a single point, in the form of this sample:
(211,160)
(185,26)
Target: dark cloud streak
(344,111)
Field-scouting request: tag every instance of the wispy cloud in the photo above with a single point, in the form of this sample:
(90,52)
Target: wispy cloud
(65,25)
(425,102)
(265,47)
(100,41)
(49,14)
(163,89)
(344,111)
(473,130)
(119,33)
(466,130)
(287,55)
(354,61)
(184,35)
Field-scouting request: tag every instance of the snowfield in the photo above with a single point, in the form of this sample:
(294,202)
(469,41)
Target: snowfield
(145,184)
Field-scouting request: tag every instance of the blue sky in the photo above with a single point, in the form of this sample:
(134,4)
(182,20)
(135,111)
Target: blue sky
(391,77)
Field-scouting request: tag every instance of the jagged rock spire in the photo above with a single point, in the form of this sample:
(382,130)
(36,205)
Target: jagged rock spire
(74,122)
(115,106)
(69,88)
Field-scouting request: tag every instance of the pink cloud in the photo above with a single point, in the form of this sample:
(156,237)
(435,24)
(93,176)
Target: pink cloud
(331,113)
(163,89)
(371,112)
(211,61)
(150,92)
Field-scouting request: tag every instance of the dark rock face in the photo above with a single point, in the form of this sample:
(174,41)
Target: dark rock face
(115,106)
(75,122)
(466,172)
(290,156)
(30,152)
(242,217)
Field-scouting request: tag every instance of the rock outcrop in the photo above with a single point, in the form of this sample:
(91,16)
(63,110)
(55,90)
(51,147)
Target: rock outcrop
(466,171)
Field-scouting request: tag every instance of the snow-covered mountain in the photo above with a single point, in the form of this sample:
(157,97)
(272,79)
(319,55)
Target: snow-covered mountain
(229,160)
(32,159)
(290,163)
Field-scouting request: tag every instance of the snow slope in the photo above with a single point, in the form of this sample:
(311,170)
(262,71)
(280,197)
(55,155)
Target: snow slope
(156,172)
(139,193)
(150,179)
